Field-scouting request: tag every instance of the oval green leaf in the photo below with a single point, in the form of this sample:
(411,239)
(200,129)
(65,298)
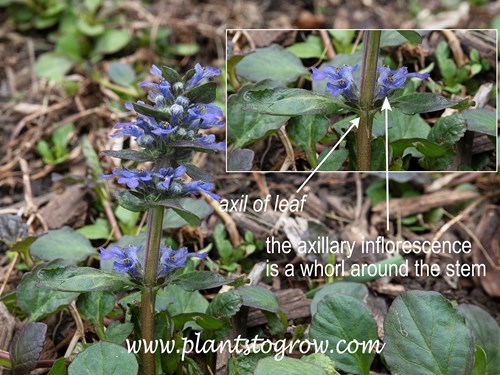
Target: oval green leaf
(286,366)
(425,334)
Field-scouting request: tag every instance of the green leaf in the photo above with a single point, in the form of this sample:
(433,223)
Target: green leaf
(411,36)
(312,47)
(321,360)
(391,38)
(53,65)
(421,102)
(240,160)
(196,173)
(95,306)
(89,29)
(172,220)
(170,75)
(486,332)
(203,320)
(59,367)
(104,358)
(286,366)
(176,301)
(447,130)
(121,73)
(205,93)
(342,317)
(81,279)
(406,126)
(26,347)
(189,217)
(356,290)
(146,109)
(100,230)
(243,127)
(272,62)
(292,102)
(306,131)
(111,41)
(225,305)
(423,330)
(65,243)
(60,138)
(481,120)
(39,303)
(335,160)
(260,298)
(185,49)
(422,145)
(118,332)
(91,158)
(479,362)
(197,280)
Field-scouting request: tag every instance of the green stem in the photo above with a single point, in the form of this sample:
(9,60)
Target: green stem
(148,296)
(371,45)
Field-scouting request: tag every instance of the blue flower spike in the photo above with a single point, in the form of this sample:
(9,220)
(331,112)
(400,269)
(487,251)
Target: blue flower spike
(391,80)
(126,259)
(340,80)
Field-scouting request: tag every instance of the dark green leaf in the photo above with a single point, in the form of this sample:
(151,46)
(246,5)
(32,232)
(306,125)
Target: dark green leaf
(121,73)
(411,36)
(403,126)
(447,130)
(118,332)
(196,173)
(205,93)
(197,280)
(273,62)
(173,220)
(260,298)
(146,109)
(176,301)
(91,158)
(194,145)
(130,202)
(189,217)
(423,329)
(240,160)
(81,279)
(424,146)
(140,156)
(335,160)
(356,290)
(480,120)
(39,303)
(421,102)
(243,127)
(65,244)
(286,366)
(342,317)
(306,131)
(225,305)
(292,102)
(203,320)
(94,306)
(104,358)
(170,75)
(26,347)
(486,332)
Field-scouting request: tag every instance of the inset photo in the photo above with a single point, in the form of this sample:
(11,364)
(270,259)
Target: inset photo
(361,100)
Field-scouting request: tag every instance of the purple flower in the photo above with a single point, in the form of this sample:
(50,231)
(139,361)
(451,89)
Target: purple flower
(126,259)
(206,116)
(167,174)
(200,74)
(208,141)
(163,87)
(171,259)
(143,125)
(131,178)
(201,187)
(340,80)
(390,80)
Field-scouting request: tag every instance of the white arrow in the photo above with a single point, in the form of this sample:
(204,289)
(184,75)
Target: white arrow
(354,123)
(387,107)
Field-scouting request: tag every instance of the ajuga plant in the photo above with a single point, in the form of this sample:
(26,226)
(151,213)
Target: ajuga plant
(168,130)
(342,93)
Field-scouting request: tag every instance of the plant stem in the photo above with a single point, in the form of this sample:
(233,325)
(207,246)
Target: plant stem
(148,295)
(371,45)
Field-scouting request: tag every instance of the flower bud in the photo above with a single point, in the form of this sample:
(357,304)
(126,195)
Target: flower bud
(182,101)
(176,188)
(178,88)
(146,141)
